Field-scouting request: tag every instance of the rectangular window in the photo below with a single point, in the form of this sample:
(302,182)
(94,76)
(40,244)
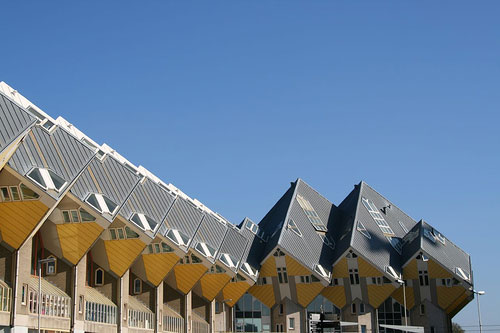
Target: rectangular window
(379,219)
(311,213)
(74,216)
(81,303)
(66,218)
(281,308)
(5,194)
(353,308)
(291,323)
(24,294)
(15,193)
(422,309)
(362,308)
(423,277)
(334,282)
(112,233)
(354,276)
(121,235)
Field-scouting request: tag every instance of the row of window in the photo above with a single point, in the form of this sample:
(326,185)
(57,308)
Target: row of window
(311,213)
(122,233)
(77,215)
(17,193)
(156,248)
(379,219)
(254,228)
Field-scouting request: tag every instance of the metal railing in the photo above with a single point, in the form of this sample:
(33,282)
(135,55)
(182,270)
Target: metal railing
(173,324)
(141,319)
(100,313)
(51,305)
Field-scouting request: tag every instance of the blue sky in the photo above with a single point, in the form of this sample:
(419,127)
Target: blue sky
(231,101)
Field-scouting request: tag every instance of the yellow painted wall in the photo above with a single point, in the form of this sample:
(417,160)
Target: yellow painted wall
(378,294)
(307,292)
(448,295)
(410,271)
(77,238)
(367,270)
(121,253)
(336,295)
(294,268)
(18,219)
(212,284)
(186,276)
(457,305)
(265,294)
(234,291)
(410,297)
(340,269)
(158,265)
(436,271)
(269,268)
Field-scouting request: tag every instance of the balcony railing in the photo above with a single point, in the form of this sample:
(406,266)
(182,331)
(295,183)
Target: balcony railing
(172,321)
(101,313)
(51,305)
(200,325)
(140,319)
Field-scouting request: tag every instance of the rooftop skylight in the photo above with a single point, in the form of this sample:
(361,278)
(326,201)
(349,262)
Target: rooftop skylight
(228,260)
(439,236)
(321,271)
(361,228)
(391,272)
(379,219)
(101,203)
(292,226)
(428,234)
(311,213)
(463,274)
(205,249)
(47,179)
(144,222)
(327,240)
(248,269)
(178,237)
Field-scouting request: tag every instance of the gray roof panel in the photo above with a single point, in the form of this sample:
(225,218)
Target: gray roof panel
(234,244)
(211,232)
(14,121)
(183,216)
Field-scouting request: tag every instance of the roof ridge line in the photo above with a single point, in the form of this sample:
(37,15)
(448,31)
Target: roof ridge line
(294,194)
(355,219)
(312,188)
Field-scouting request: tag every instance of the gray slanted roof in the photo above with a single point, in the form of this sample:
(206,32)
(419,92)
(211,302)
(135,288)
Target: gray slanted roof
(211,231)
(256,246)
(112,179)
(378,250)
(14,121)
(183,216)
(57,150)
(150,199)
(234,244)
(309,249)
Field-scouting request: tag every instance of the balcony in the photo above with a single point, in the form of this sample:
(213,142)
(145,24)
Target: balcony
(140,316)
(100,312)
(172,321)
(200,325)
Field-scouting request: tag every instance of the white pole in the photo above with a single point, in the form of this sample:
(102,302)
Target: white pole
(479,314)
(39,292)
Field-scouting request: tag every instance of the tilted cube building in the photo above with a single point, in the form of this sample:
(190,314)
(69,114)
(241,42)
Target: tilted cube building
(91,243)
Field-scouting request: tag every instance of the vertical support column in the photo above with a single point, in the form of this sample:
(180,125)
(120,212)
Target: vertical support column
(211,317)
(123,292)
(22,273)
(188,309)
(78,295)
(159,307)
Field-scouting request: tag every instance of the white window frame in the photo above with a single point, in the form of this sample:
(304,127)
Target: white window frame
(136,291)
(205,251)
(362,229)
(144,223)
(291,225)
(47,179)
(460,272)
(379,219)
(95,277)
(103,209)
(291,323)
(321,271)
(311,213)
(392,272)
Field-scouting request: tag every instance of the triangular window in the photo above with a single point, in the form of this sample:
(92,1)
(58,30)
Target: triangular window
(463,274)
(228,260)
(101,203)
(144,222)
(292,226)
(205,249)
(248,269)
(361,228)
(178,237)
(47,179)
(327,240)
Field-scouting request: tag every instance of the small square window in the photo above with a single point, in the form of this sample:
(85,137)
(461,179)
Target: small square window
(5,194)
(15,193)
(66,218)
(74,216)
(121,235)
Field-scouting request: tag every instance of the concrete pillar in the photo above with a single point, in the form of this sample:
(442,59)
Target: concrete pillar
(159,307)
(211,316)
(22,273)
(123,292)
(188,308)
(78,295)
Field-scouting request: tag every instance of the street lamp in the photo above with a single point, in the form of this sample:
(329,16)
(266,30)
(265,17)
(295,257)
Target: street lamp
(232,314)
(40,263)
(479,293)
(403,284)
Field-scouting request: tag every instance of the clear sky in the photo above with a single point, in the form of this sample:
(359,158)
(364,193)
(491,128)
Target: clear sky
(231,101)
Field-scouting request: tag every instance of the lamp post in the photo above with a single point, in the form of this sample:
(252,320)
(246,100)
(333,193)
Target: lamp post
(39,303)
(479,293)
(403,284)
(225,319)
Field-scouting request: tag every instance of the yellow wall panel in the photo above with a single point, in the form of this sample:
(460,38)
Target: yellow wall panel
(340,269)
(447,295)
(336,295)
(436,271)
(186,276)
(366,269)
(410,297)
(269,268)
(457,305)
(212,284)
(234,291)
(410,271)
(77,238)
(307,292)
(294,268)
(121,253)
(378,294)
(157,266)
(18,219)
(265,294)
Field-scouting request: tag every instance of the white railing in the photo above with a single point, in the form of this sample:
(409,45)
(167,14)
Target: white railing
(5,297)
(141,319)
(51,305)
(100,313)
(200,325)
(173,324)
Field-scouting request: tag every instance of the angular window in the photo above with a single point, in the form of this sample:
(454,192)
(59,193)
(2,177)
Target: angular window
(428,234)
(205,249)
(423,277)
(396,243)
(311,213)
(292,226)
(165,248)
(390,270)
(144,222)
(327,240)
(47,179)
(51,266)
(439,236)
(228,260)
(361,228)
(74,216)
(15,193)
(99,277)
(5,194)
(354,276)
(131,233)
(279,253)
(137,286)
(195,259)
(86,216)
(463,274)
(101,203)
(321,271)
(178,237)
(248,269)
(379,219)
(282,275)
(66,218)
